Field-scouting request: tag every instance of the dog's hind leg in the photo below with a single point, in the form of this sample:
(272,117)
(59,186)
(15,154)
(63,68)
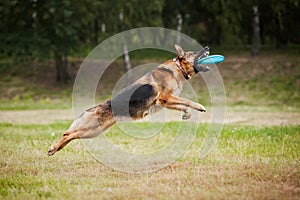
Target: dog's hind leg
(62,142)
(79,129)
(68,136)
(86,126)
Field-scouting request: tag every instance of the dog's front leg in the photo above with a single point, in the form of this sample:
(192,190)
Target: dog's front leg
(174,101)
(186,111)
(181,104)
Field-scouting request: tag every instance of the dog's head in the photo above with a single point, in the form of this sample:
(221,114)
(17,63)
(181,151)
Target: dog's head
(188,60)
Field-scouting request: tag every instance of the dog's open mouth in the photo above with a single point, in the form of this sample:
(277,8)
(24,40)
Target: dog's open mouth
(201,54)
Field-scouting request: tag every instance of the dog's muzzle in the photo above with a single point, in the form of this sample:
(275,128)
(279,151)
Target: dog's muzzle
(201,54)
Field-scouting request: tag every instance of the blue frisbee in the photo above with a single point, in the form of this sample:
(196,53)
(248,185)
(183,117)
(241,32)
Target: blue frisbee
(211,59)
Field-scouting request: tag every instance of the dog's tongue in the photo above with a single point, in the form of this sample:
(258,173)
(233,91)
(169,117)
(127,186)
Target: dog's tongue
(204,68)
(201,68)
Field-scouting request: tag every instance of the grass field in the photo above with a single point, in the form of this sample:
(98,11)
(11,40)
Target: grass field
(256,161)
(270,79)
(248,163)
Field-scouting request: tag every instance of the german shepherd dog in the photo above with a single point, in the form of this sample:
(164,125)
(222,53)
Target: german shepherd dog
(155,90)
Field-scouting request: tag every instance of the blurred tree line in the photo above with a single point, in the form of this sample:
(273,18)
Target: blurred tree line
(57,29)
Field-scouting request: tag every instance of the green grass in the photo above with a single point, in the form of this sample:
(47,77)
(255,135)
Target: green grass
(20,94)
(270,79)
(29,104)
(248,163)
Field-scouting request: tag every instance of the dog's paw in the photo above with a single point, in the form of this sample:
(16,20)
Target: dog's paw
(187,115)
(51,151)
(202,109)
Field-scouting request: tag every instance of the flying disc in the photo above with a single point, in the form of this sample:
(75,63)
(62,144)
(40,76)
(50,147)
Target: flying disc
(211,59)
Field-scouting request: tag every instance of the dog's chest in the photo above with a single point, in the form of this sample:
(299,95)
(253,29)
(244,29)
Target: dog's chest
(177,91)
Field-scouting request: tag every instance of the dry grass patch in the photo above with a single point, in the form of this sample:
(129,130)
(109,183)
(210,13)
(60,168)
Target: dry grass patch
(249,162)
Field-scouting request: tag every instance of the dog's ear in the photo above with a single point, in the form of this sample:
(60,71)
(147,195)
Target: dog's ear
(179,50)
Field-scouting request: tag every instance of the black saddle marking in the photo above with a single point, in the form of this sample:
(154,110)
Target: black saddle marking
(132,100)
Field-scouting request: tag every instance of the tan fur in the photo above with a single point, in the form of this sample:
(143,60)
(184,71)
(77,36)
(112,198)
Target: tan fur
(155,90)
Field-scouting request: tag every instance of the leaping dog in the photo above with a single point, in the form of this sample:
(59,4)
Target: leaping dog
(155,90)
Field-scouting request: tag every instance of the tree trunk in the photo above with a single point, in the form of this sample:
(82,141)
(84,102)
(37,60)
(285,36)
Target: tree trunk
(163,37)
(256,37)
(62,68)
(141,37)
(65,73)
(96,32)
(179,28)
(127,65)
(58,62)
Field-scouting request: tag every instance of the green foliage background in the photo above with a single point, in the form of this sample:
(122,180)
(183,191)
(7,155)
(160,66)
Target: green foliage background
(58,28)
